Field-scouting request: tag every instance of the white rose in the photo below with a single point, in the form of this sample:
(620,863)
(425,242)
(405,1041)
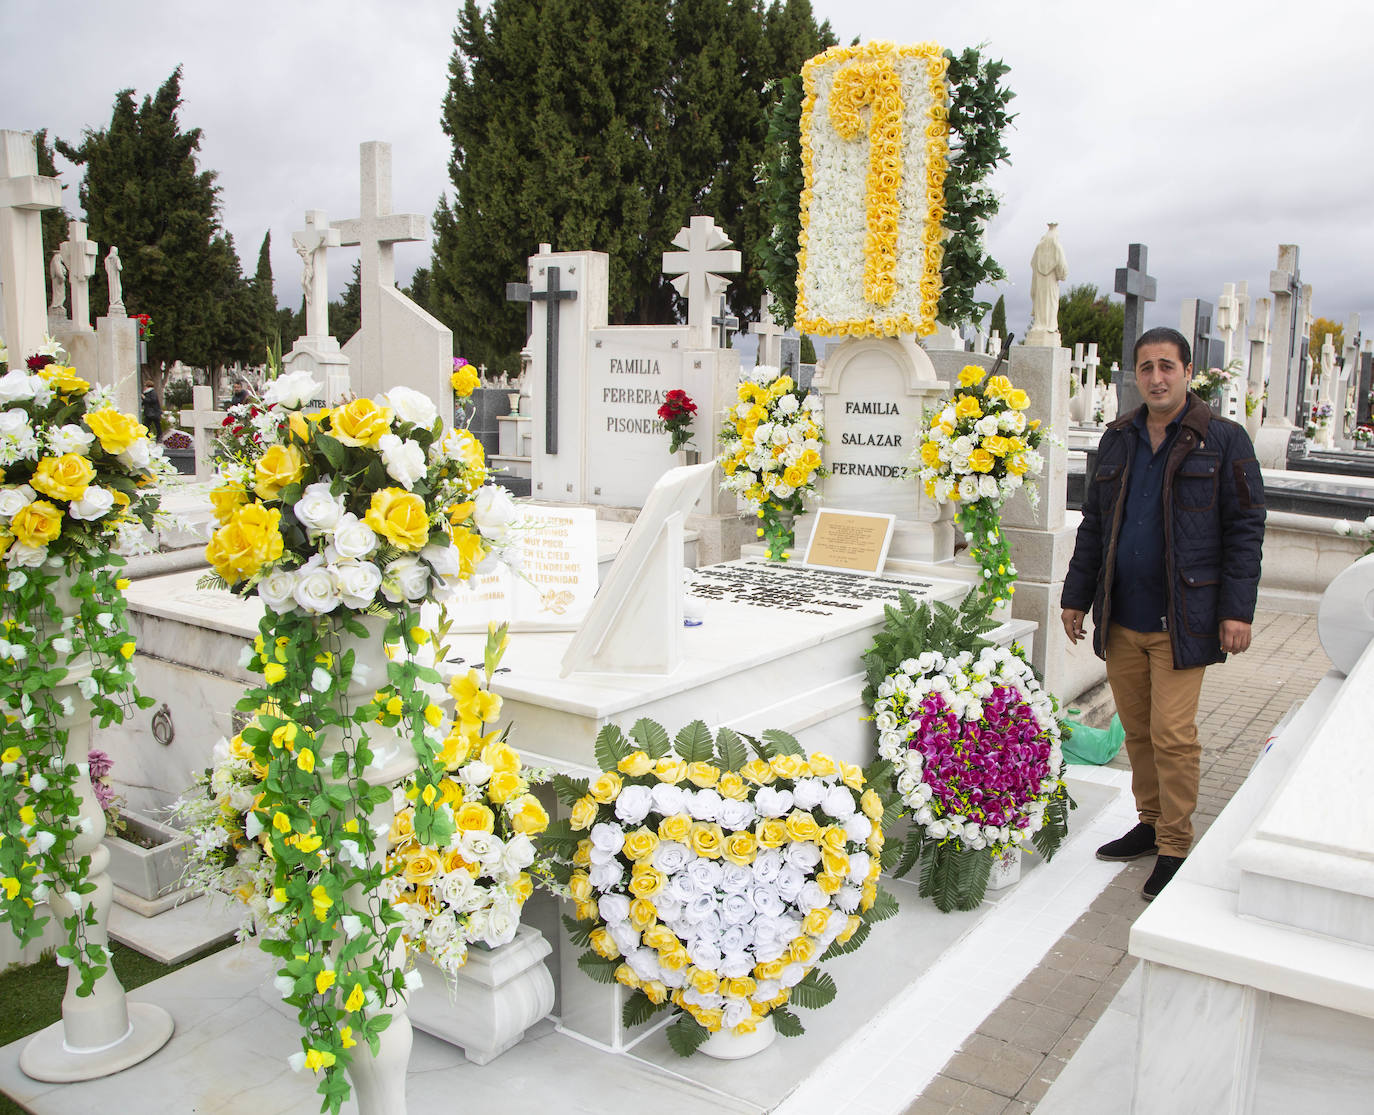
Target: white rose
(404,460)
(607,838)
(71,439)
(812,897)
(669,799)
(772,802)
(789,883)
(318,510)
(669,856)
(987,487)
(28,557)
(736,878)
(767,864)
(606,875)
(633,804)
(95,503)
(357,583)
(803,855)
(808,793)
(14,500)
(137,455)
(613,908)
(277,590)
(704,805)
(15,386)
(860,863)
(446,561)
(494,512)
(406,578)
(410,406)
(314,590)
(517,855)
(292,390)
(736,815)
(352,539)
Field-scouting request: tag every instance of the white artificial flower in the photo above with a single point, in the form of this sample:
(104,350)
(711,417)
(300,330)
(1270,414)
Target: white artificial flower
(406,578)
(315,591)
(318,510)
(404,460)
(352,539)
(137,454)
(734,815)
(670,856)
(26,557)
(633,804)
(494,512)
(95,503)
(277,589)
(15,387)
(808,793)
(357,582)
(613,908)
(410,406)
(15,499)
(292,390)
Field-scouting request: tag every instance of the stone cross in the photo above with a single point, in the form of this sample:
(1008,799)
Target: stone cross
(312,244)
(1226,320)
(1285,284)
(23,196)
(79,255)
(769,333)
(205,422)
(1139,288)
(553,294)
(726,324)
(700,268)
(376,232)
(1195,323)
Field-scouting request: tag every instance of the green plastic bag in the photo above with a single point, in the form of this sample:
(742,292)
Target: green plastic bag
(1094,746)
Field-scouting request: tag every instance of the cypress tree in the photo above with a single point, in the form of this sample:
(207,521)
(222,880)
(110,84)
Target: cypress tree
(999,317)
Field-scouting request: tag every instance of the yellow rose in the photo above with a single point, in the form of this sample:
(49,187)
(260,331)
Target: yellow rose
(702,982)
(868,895)
(980,460)
(793,476)
(250,540)
(802,950)
(465,381)
(1018,400)
(640,844)
(829,884)
(802,826)
(64,380)
(455,749)
(702,774)
(603,944)
(452,861)
(997,445)
(875,841)
(786,766)
(279,466)
(645,880)
(65,477)
(850,928)
(970,375)
(772,833)
(636,764)
(758,772)
(660,937)
(643,914)
(421,865)
(499,755)
(669,769)
(583,813)
(731,785)
(707,840)
(740,987)
(528,816)
(583,856)
(585,911)
(655,991)
(37,524)
(967,407)
(710,1019)
(930,454)
(677,827)
(580,887)
(816,921)
(503,786)
(226,499)
(402,828)
(360,422)
(740,848)
(872,805)
(473,816)
(115,429)
(399,517)
(606,788)
(999,387)
(746,1026)
(821,764)
(771,969)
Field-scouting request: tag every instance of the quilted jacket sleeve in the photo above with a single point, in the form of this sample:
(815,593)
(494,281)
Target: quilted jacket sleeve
(1085,567)
(1242,528)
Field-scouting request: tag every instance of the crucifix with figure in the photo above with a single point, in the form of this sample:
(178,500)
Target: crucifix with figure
(1139,288)
(700,269)
(553,293)
(312,244)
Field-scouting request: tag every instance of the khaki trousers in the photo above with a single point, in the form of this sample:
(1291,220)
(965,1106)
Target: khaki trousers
(1158,708)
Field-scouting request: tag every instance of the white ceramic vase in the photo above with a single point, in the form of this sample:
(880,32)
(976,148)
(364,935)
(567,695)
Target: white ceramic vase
(726,1045)
(1006,869)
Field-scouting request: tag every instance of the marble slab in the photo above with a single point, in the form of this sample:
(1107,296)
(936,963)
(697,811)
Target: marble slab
(184,930)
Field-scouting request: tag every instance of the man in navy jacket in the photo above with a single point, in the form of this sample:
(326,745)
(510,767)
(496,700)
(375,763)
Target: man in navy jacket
(1168,561)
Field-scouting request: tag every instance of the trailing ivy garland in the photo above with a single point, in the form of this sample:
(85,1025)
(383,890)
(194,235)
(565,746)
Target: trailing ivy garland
(978,117)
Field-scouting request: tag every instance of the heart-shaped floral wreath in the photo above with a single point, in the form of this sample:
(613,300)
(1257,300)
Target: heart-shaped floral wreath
(713,882)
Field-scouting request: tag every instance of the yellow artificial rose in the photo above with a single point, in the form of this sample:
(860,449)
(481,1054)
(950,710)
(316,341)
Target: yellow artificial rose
(802,950)
(967,407)
(603,944)
(580,887)
(872,805)
(816,921)
(64,380)
(585,911)
(980,460)
(471,551)
(402,830)
(701,981)
(829,883)
(360,422)
(677,827)
(999,387)
(503,786)
(65,477)
(793,476)
(731,785)
(455,749)
(821,764)
(473,816)
(583,856)
(875,841)
(660,938)
(1017,464)
(606,788)
(636,764)
(772,833)
(528,816)
(453,860)
(930,454)
(970,375)
(646,880)
(279,466)
(115,429)
(524,886)
(759,772)
(787,766)
(640,844)
(249,541)
(670,769)
(626,975)
(1018,400)
(583,813)
(702,774)
(37,524)
(465,381)
(741,987)
(770,969)
(740,848)
(643,914)
(802,826)
(499,755)
(833,837)
(421,865)
(745,1026)
(868,895)
(656,991)
(227,498)
(710,1019)
(997,445)
(707,840)
(399,517)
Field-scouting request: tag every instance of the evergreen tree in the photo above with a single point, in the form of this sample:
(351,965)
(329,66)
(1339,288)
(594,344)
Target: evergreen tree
(1086,318)
(266,329)
(999,318)
(143,193)
(346,315)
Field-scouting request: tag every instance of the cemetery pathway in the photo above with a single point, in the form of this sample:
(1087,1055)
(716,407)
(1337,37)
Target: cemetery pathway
(1017,1052)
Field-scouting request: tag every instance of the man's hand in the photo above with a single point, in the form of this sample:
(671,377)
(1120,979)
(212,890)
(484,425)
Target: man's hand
(1073,624)
(1235,636)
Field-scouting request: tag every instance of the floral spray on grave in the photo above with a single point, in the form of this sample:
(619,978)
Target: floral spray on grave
(80,486)
(711,883)
(771,452)
(973,740)
(343,525)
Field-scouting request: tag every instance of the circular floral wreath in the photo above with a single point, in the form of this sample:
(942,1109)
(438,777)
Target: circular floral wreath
(975,746)
(714,883)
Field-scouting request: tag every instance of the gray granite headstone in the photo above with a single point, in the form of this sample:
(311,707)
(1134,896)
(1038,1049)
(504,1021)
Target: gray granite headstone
(1138,288)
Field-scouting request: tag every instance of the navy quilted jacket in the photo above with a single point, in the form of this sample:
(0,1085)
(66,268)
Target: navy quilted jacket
(1213,532)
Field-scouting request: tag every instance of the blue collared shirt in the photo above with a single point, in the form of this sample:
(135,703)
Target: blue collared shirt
(1138,595)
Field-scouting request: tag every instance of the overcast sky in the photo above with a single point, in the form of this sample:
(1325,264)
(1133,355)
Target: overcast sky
(1209,130)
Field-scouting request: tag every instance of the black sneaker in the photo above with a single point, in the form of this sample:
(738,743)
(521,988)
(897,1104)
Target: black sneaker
(1166,867)
(1140,841)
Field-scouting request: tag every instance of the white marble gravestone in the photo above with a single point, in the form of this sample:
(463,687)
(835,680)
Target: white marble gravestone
(205,420)
(399,344)
(317,351)
(23,197)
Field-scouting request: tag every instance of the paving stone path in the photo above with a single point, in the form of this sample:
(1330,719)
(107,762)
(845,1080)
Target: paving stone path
(1009,1063)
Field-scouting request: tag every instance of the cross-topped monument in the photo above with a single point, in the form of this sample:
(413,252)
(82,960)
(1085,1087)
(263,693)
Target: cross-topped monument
(1285,283)
(553,293)
(376,232)
(79,254)
(726,324)
(312,244)
(1139,288)
(205,422)
(24,194)
(769,333)
(700,269)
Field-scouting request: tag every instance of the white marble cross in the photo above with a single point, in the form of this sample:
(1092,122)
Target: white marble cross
(769,333)
(376,231)
(312,244)
(700,268)
(23,196)
(205,422)
(79,254)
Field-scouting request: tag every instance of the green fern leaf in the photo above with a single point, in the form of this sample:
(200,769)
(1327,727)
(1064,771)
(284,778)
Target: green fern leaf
(651,736)
(694,743)
(598,967)
(787,1023)
(686,1035)
(813,990)
(731,750)
(783,743)
(611,747)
